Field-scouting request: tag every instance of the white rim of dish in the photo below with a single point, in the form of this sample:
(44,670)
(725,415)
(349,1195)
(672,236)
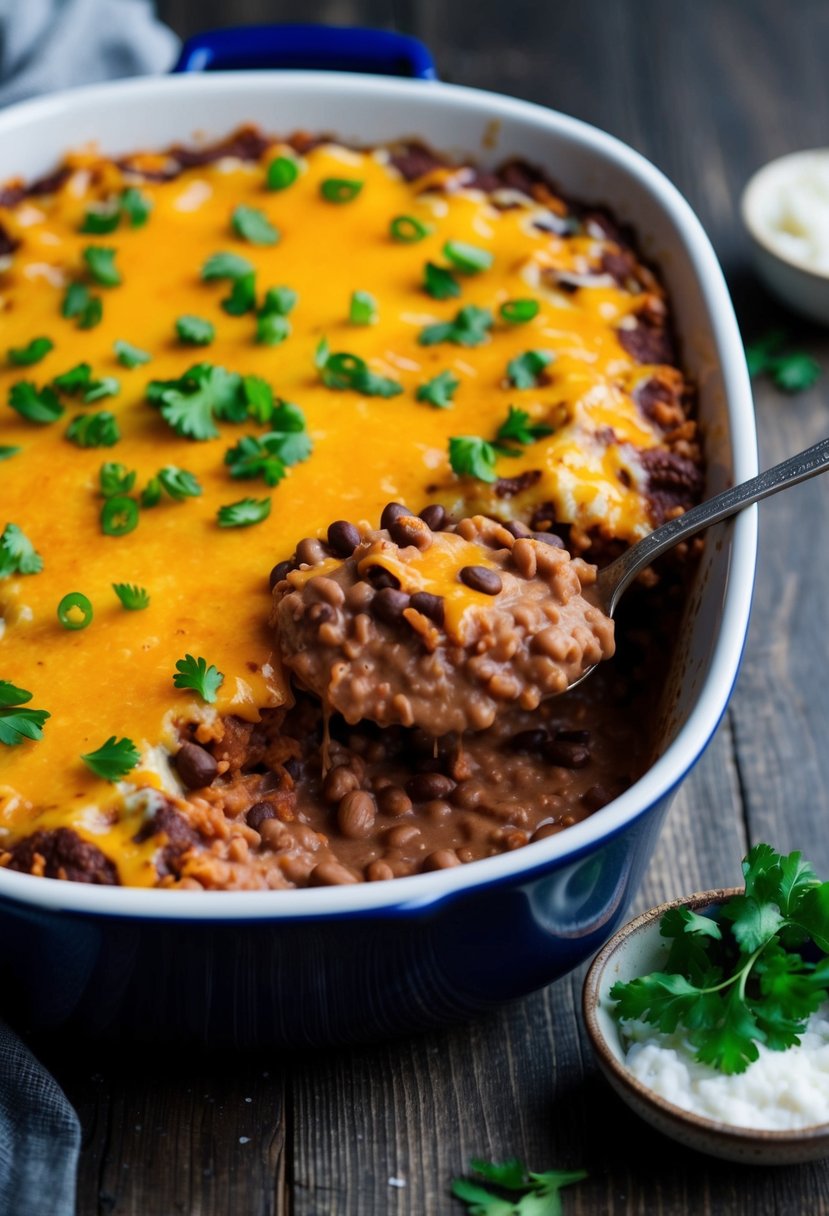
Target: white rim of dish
(753,194)
(609,1061)
(423,891)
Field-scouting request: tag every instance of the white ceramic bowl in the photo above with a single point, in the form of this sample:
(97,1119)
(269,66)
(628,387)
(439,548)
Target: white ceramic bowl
(788,276)
(636,950)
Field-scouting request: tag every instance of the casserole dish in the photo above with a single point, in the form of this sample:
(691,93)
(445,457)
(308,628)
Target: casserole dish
(356,962)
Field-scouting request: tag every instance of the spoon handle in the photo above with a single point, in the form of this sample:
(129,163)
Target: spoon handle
(617,576)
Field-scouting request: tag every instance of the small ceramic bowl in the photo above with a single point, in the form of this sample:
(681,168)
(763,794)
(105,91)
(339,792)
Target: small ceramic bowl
(636,950)
(787,274)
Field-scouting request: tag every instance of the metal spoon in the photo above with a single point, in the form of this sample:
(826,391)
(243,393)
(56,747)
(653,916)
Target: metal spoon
(614,579)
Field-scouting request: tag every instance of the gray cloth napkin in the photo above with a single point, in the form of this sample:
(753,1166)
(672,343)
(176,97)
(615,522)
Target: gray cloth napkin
(47,45)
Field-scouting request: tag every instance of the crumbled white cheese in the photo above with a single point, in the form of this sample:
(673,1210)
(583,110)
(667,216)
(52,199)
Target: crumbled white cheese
(795,212)
(781,1090)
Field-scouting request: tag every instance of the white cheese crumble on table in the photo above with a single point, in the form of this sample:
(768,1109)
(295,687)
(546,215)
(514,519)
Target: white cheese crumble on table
(780,1091)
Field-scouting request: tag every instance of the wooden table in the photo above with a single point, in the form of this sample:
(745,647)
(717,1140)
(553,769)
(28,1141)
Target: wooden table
(708,89)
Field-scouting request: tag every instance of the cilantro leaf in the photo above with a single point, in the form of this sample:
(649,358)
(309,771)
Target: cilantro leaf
(527,1193)
(525,370)
(100,261)
(133,598)
(17,553)
(242,296)
(511,1174)
(440,283)
(196,675)
(812,915)
(440,390)
(254,226)
(179,483)
(469,328)
(113,759)
(107,386)
(39,406)
(271,328)
(195,331)
(732,1045)
(33,352)
(115,479)
(135,206)
(363,308)
(94,430)
(225,266)
(77,378)
(792,372)
(7,450)
(479,1200)
(16,723)
(79,304)
(130,356)
(471,456)
(517,428)
(280,300)
(190,404)
(268,456)
(659,998)
(244,513)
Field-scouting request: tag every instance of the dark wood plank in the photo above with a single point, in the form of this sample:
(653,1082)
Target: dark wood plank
(708,89)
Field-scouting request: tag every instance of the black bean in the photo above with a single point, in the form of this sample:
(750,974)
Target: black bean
(434,516)
(432,606)
(379,578)
(258,813)
(195,766)
(566,755)
(409,530)
(391,512)
(343,537)
(517,529)
(388,605)
(529,740)
(549,538)
(481,578)
(293,767)
(426,786)
(573,736)
(281,570)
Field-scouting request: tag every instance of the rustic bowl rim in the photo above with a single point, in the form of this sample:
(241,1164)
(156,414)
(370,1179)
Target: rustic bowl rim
(631,1087)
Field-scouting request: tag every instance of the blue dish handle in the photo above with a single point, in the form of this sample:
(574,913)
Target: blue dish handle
(332,48)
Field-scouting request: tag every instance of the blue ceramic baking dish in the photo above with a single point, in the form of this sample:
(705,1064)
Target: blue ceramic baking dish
(335,964)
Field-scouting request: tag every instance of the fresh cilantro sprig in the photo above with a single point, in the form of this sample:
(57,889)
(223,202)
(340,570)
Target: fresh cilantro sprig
(471,456)
(17,553)
(113,759)
(516,428)
(269,456)
(470,327)
(518,1191)
(751,975)
(791,371)
(32,352)
(252,225)
(18,723)
(195,674)
(525,371)
(192,403)
(244,513)
(94,430)
(40,406)
(440,390)
(133,598)
(177,483)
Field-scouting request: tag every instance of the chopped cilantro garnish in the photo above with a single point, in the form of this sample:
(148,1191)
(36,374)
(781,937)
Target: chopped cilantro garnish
(282,172)
(281,300)
(344,371)
(35,405)
(8,450)
(242,296)
(244,513)
(440,390)
(225,266)
(524,370)
(519,1191)
(792,372)
(119,515)
(130,356)
(190,404)
(196,675)
(75,611)
(363,309)
(136,206)
(115,479)
(17,553)
(179,483)
(471,456)
(33,352)
(16,723)
(271,329)
(132,597)
(77,378)
(94,430)
(407,229)
(268,456)
(254,226)
(469,259)
(516,428)
(84,307)
(469,328)
(440,283)
(340,189)
(195,331)
(740,977)
(100,261)
(518,312)
(114,759)
(259,397)
(107,386)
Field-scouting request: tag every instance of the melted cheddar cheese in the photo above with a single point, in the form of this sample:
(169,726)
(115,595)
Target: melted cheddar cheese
(208,584)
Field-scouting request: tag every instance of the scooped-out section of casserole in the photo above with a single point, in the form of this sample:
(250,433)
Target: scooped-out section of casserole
(216,361)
